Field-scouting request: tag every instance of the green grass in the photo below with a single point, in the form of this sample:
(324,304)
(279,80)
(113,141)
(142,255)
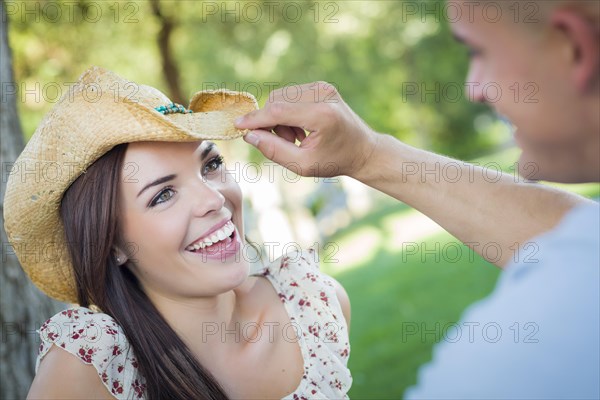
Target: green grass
(393,293)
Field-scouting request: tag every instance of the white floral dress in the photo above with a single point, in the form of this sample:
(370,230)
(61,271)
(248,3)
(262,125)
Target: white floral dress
(307,294)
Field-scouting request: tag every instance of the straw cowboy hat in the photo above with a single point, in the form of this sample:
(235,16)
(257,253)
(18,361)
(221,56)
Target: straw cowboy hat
(99,112)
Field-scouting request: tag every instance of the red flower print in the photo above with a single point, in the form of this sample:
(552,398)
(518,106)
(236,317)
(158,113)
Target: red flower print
(117,387)
(139,389)
(284,265)
(336,384)
(304,302)
(314,329)
(324,298)
(86,356)
(331,337)
(111,331)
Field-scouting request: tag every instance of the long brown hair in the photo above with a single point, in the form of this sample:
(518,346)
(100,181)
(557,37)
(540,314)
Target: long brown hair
(89,211)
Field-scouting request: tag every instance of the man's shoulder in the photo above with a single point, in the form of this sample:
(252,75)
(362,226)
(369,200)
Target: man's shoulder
(574,242)
(581,223)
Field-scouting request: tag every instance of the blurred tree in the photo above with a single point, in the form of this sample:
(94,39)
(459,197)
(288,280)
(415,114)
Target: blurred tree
(169,65)
(23,308)
(393,61)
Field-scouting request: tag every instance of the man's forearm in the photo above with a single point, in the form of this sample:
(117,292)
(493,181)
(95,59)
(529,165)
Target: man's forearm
(482,208)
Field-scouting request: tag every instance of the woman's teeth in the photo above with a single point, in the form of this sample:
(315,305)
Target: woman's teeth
(215,237)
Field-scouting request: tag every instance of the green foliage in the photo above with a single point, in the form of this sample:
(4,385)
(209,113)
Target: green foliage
(375,52)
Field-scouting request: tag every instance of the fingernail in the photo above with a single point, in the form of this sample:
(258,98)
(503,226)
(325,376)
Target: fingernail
(251,138)
(239,120)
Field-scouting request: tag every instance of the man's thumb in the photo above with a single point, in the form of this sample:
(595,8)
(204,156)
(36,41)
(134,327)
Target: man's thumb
(252,137)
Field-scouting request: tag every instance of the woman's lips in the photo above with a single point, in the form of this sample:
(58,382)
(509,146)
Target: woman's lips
(222,250)
(217,233)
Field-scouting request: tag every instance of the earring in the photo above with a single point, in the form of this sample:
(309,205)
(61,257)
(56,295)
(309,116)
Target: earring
(119,260)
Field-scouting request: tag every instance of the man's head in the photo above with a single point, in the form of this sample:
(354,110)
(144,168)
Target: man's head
(537,63)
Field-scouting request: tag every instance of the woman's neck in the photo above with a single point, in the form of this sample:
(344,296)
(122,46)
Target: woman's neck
(205,322)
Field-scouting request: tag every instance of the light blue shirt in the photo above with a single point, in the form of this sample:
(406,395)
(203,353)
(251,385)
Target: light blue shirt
(537,335)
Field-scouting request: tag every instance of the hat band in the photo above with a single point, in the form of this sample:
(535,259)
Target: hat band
(173,108)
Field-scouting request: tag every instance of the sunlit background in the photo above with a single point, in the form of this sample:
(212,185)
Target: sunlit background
(394,63)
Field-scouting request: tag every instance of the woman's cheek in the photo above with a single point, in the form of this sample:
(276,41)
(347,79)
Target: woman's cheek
(231,189)
(232,192)
(159,236)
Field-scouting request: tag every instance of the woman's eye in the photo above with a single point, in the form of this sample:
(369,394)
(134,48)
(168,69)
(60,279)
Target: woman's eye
(213,165)
(163,196)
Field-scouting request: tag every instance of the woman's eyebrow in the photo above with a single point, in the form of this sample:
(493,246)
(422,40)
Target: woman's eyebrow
(167,178)
(157,182)
(207,150)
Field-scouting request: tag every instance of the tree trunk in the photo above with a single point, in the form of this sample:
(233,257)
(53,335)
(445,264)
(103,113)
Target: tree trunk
(169,65)
(23,308)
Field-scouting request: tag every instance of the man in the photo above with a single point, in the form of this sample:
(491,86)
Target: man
(545,309)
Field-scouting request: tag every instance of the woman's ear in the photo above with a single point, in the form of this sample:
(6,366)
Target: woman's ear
(584,40)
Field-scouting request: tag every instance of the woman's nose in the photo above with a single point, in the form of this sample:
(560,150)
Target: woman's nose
(207,198)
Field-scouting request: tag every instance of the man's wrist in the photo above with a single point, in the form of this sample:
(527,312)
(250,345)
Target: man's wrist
(365,167)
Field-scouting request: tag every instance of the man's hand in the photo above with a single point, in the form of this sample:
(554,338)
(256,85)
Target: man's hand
(503,213)
(333,140)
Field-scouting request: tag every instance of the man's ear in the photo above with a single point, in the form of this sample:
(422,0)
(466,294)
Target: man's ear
(584,39)
(119,255)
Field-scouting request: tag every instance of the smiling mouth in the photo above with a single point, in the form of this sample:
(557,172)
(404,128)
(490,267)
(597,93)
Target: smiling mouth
(222,236)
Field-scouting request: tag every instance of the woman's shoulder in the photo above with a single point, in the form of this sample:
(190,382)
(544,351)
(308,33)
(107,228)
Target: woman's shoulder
(299,281)
(74,317)
(84,332)
(292,263)
(95,339)
(61,375)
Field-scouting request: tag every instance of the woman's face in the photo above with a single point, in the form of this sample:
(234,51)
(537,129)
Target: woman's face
(175,200)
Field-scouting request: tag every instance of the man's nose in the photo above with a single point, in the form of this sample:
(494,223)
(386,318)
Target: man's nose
(474,87)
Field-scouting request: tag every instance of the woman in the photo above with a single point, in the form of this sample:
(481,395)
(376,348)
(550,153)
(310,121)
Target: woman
(148,235)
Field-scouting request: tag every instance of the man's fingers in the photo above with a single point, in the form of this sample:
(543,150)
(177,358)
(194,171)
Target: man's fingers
(286,132)
(314,92)
(295,93)
(300,133)
(273,147)
(272,114)
(279,113)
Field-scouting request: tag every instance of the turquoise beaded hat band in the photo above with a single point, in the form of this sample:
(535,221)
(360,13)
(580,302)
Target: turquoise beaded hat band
(173,108)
